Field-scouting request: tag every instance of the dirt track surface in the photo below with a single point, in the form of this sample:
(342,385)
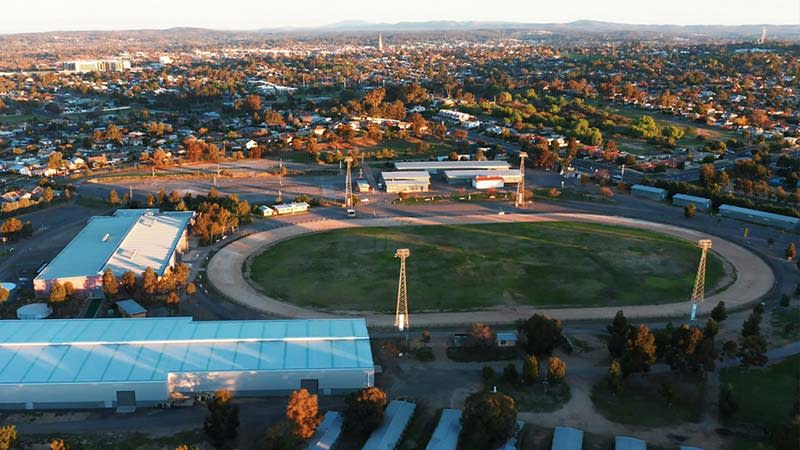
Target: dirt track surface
(754,278)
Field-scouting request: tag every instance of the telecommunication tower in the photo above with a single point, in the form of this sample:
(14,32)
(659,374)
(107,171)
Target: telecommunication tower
(521,185)
(763,39)
(348,184)
(698,293)
(380,42)
(401,316)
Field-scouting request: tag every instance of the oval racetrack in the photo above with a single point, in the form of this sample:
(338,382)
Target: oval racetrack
(754,278)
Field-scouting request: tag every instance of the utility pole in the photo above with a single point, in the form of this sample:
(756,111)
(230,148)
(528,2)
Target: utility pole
(520,201)
(279,198)
(401,315)
(348,184)
(698,293)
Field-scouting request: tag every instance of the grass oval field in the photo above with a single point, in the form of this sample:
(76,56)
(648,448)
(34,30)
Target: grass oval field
(465,267)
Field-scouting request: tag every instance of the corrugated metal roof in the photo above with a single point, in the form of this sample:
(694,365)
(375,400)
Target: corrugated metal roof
(629,443)
(691,198)
(418,175)
(566,438)
(445,436)
(642,187)
(327,432)
(757,213)
(395,420)
(129,240)
(505,173)
(451,165)
(148,349)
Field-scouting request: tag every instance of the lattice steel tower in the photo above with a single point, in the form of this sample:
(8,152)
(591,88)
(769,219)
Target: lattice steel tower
(698,293)
(401,316)
(348,184)
(520,201)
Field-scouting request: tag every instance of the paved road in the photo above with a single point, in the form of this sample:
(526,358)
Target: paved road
(754,277)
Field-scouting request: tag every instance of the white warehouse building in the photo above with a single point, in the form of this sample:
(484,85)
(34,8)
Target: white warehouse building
(107,363)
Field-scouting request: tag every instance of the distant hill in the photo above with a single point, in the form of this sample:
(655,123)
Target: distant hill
(578,27)
(583,26)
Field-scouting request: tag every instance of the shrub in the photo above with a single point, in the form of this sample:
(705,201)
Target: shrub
(510,373)
(487,373)
(425,354)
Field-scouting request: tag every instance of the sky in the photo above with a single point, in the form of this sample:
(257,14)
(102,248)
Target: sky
(17,16)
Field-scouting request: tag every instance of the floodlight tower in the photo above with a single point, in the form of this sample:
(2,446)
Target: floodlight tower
(348,184)
(401,316)
(698,293)
(521,185)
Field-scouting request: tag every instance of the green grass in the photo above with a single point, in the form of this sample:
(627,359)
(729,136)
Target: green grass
(405,149)
(764,395)
(535,398)
(786,322)
(17,118)
(123,440)
(555,264)
(92,202)
(641,403)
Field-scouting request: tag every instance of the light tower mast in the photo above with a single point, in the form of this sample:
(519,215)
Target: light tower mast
(698,293)
(520,200)
(348,184)
(401,316)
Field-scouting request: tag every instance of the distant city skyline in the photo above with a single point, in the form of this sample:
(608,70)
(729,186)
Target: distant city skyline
(21,16)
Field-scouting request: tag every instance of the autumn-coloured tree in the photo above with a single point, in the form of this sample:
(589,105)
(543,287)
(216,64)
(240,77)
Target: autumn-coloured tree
(556,370)
(173,298)
(364,412)
(8,437)
(615,377)
(58,444)
(57,292)
(488,420)
(481,335)
(69,288)
(530,370)
(110,284)
(222,422)
(128,281)
(303,411)
(791,252)
(11,227)
(113,198)
(640,351)
(149,281)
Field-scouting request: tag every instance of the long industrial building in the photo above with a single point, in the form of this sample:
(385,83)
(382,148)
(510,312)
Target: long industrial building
(434,167)
(406,181)
(130,240)
(762,217)
(466,176)
(107,363)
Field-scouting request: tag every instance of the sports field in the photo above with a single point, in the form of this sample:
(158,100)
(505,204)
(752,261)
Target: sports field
(451,268)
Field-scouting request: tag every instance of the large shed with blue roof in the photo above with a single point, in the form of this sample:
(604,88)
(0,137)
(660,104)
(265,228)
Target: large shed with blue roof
(105,363)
